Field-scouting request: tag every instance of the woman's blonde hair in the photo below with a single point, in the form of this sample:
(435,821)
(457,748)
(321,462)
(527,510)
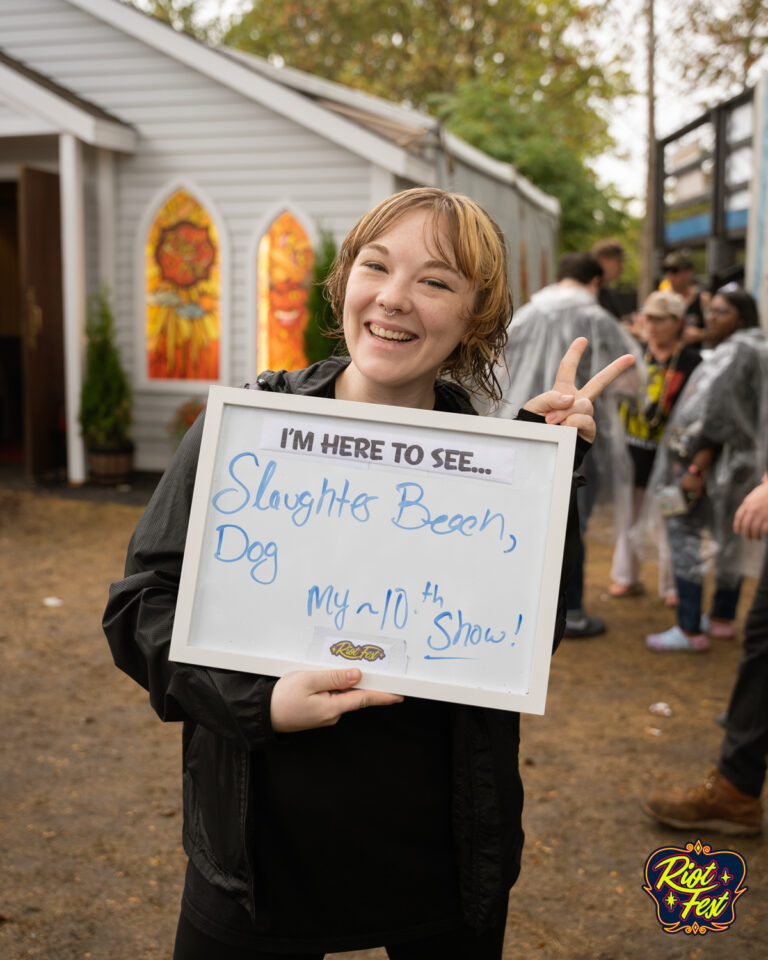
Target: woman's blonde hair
(480,254)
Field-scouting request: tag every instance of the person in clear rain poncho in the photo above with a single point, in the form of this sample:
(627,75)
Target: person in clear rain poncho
(538,334)
(712,454)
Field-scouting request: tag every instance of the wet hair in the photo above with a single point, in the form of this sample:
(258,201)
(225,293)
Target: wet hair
(581,267)
(610,249)
(479,251)
(743,302)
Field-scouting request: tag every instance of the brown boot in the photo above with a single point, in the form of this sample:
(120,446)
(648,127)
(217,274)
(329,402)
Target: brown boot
(713,805)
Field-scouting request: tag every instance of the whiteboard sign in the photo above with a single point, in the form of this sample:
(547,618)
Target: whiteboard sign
(424,548)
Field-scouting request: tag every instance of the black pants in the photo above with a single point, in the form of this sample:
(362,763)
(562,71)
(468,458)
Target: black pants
(191,944)
(743,755)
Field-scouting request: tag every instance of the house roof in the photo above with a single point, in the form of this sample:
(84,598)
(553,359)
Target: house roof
(58,108)
(405,142)
(410,129)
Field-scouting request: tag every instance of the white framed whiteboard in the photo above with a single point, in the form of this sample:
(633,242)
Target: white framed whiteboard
(423,547)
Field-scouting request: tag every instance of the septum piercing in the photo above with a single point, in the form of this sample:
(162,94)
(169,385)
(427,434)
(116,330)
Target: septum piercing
(389,313)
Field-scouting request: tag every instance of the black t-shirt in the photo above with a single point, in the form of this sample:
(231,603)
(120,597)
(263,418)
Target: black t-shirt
(375,788)
(646,418)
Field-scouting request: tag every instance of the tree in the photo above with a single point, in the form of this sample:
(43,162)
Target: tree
(537,141)
(407,50)
(723,45)
(179,14)
(520,80)
(319,341)
(648,244)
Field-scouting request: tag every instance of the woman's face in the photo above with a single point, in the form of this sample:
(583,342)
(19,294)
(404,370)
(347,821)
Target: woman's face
(405,311)
(721,318)
(662,331)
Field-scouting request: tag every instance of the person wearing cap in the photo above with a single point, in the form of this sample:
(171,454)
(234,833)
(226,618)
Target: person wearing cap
(679,278)
(669,363)
(610,255)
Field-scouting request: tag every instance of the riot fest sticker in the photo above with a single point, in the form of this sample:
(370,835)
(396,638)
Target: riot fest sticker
(695,889)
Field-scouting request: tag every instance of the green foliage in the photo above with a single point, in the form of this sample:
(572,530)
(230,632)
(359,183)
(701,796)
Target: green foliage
(723,45)
(522,80)
(105,399)
(317,343)
(407,50)
(179,14)
(490,118)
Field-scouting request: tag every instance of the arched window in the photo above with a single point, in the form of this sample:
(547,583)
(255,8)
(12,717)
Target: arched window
(183,296)
(285,272)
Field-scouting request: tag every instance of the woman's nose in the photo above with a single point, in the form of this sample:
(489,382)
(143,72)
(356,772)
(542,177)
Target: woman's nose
(394,296)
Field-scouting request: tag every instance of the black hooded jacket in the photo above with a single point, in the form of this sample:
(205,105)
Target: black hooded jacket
(234,764)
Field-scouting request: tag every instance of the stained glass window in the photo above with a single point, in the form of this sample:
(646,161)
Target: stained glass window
(285,271)
(183,323)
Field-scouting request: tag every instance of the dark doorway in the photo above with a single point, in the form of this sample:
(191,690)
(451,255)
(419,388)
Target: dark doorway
(11,378)
(42,334)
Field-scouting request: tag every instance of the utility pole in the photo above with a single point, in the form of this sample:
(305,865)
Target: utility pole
(649,224)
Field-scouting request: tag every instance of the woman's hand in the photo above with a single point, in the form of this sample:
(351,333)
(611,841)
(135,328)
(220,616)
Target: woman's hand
(567,405)
(306,699)
(692,485)
(751,518)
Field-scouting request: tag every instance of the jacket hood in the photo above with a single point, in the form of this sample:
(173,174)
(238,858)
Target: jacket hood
(318,379)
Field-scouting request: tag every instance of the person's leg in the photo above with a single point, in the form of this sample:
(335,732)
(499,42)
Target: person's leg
(626,565)
(192,944)
(689,596)
(743,754)
(577,623)
(684,541)
(462,945)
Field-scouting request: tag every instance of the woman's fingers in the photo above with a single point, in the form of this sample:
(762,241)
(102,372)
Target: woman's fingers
(566,372)
(605,377)
(578,405)
(307,699)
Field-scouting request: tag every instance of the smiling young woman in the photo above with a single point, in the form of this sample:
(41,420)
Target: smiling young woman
(312,825)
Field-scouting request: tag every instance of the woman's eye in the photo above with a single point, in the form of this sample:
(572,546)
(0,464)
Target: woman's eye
(437,284)
(374,265)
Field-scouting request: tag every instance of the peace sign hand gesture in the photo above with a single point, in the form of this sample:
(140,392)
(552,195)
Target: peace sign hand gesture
(567,405)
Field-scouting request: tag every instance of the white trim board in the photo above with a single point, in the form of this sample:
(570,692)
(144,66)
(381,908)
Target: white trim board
(63,115)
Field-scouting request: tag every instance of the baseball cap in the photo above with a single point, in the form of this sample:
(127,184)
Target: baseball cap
(663,303)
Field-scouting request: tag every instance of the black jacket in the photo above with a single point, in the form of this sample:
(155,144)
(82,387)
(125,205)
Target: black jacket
(226,713)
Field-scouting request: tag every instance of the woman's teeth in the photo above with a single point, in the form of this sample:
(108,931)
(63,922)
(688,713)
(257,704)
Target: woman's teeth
(385,334)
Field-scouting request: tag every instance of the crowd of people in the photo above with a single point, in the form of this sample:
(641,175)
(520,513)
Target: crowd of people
(695,427)
(420,291)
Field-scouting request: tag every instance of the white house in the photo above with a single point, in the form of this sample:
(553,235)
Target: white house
(192,182)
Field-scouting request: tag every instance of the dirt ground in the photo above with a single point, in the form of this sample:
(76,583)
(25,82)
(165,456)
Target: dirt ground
(90,802)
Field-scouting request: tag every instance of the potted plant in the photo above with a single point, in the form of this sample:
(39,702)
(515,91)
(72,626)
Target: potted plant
(105,400)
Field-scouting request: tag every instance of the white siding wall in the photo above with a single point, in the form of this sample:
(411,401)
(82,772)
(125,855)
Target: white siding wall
(519,219)
(243,156)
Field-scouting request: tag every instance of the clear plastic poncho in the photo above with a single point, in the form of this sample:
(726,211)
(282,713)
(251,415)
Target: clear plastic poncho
(724,406)
(539,335)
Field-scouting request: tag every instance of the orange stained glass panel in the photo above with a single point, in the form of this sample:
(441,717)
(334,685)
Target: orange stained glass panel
(183,323)
(285,272)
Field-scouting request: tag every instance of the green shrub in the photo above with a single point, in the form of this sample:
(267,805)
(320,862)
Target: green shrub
(105,399)
(319,341)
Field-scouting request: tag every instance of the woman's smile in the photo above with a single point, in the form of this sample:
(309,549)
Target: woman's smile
(389,333)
